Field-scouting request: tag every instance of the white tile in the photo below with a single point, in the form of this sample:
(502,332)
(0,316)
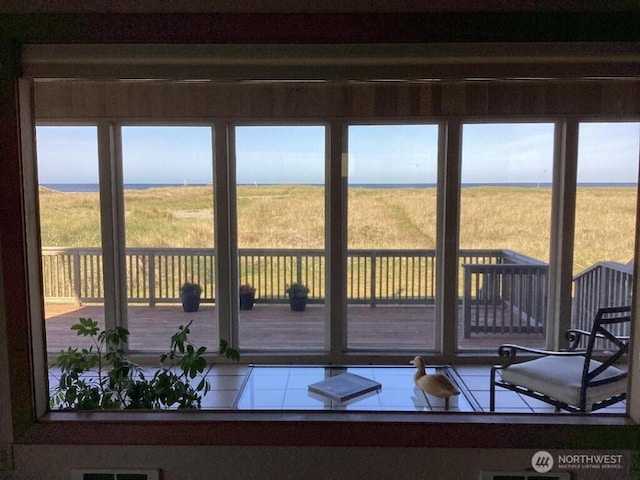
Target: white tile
(261,399)
(439,403)
(504,399)
(367,372)
(482,370)
(314,371)
(369,401)
(303,381)
(419,399)
(395,381)
(476,382)
(390,397)
(267,382)
(219,399)
(301,399)
(274,371)
(230,370)
(225,382)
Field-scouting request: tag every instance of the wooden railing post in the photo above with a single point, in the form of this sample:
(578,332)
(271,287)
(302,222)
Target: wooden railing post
(466,301)
(77,277)
(374,285)
(299,268)
(152,279)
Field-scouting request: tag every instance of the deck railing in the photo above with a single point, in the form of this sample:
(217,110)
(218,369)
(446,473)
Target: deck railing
(605,284)
(502,291)
(374,277)
(506,296)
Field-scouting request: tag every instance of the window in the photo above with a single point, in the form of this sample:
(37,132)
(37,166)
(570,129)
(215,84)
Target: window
(168,215)
(505,220)
(391,237)
(168,219)
(281,236)
(72,264)
(606,199)
(395,184)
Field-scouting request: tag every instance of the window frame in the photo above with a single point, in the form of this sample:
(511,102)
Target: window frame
(110,161)
(143,428)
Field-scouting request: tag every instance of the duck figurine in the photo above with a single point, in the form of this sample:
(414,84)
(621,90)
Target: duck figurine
(437,384)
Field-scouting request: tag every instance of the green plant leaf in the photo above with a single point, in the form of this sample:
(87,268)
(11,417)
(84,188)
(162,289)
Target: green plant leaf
(229,352)
(102,377)
(86,327)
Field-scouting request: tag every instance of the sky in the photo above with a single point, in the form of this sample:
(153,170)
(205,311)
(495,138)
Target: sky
(378,154)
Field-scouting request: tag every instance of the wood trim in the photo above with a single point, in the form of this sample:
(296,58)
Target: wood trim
(562,231)
(336,166)
(32,241)
(414,26)
(13,245)
(448,234)
(344,429)
(183,100)
(225,240)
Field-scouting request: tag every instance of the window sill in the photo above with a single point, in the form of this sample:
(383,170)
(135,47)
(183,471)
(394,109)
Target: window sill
(366,429)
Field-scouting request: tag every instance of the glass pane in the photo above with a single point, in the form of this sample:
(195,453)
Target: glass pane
(606,196)
(391,236)
(70,231)
(168,201)
(280,220)
(504,234)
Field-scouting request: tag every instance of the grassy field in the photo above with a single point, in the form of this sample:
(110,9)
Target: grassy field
(293,217)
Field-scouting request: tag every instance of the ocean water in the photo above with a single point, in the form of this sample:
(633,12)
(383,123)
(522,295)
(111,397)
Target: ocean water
(93,187)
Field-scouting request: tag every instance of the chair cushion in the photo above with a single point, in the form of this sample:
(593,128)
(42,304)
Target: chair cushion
(560,378)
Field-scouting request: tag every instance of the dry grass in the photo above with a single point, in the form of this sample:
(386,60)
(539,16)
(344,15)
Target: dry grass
(507,217)
(292,216)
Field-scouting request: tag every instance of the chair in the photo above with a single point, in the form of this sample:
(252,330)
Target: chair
(573,379)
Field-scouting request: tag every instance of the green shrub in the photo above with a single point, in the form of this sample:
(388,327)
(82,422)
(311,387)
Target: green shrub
(102,377)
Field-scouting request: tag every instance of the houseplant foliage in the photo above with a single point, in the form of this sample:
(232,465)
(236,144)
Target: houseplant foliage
(247,296)
(298,294)
(190,296)
(102,377)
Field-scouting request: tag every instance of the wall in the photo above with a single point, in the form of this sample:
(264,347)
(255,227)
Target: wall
(255,463)
(6,434)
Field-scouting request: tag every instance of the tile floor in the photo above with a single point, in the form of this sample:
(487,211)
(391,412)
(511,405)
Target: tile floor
(285,388)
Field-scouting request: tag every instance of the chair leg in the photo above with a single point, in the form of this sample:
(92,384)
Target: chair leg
(492,392)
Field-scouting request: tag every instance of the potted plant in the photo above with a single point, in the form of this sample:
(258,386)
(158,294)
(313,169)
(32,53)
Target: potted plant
(190,296)
(247,296)
(103,377)
(298,294)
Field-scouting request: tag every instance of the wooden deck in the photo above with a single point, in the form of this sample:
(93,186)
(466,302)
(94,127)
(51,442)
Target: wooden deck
(274,327)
